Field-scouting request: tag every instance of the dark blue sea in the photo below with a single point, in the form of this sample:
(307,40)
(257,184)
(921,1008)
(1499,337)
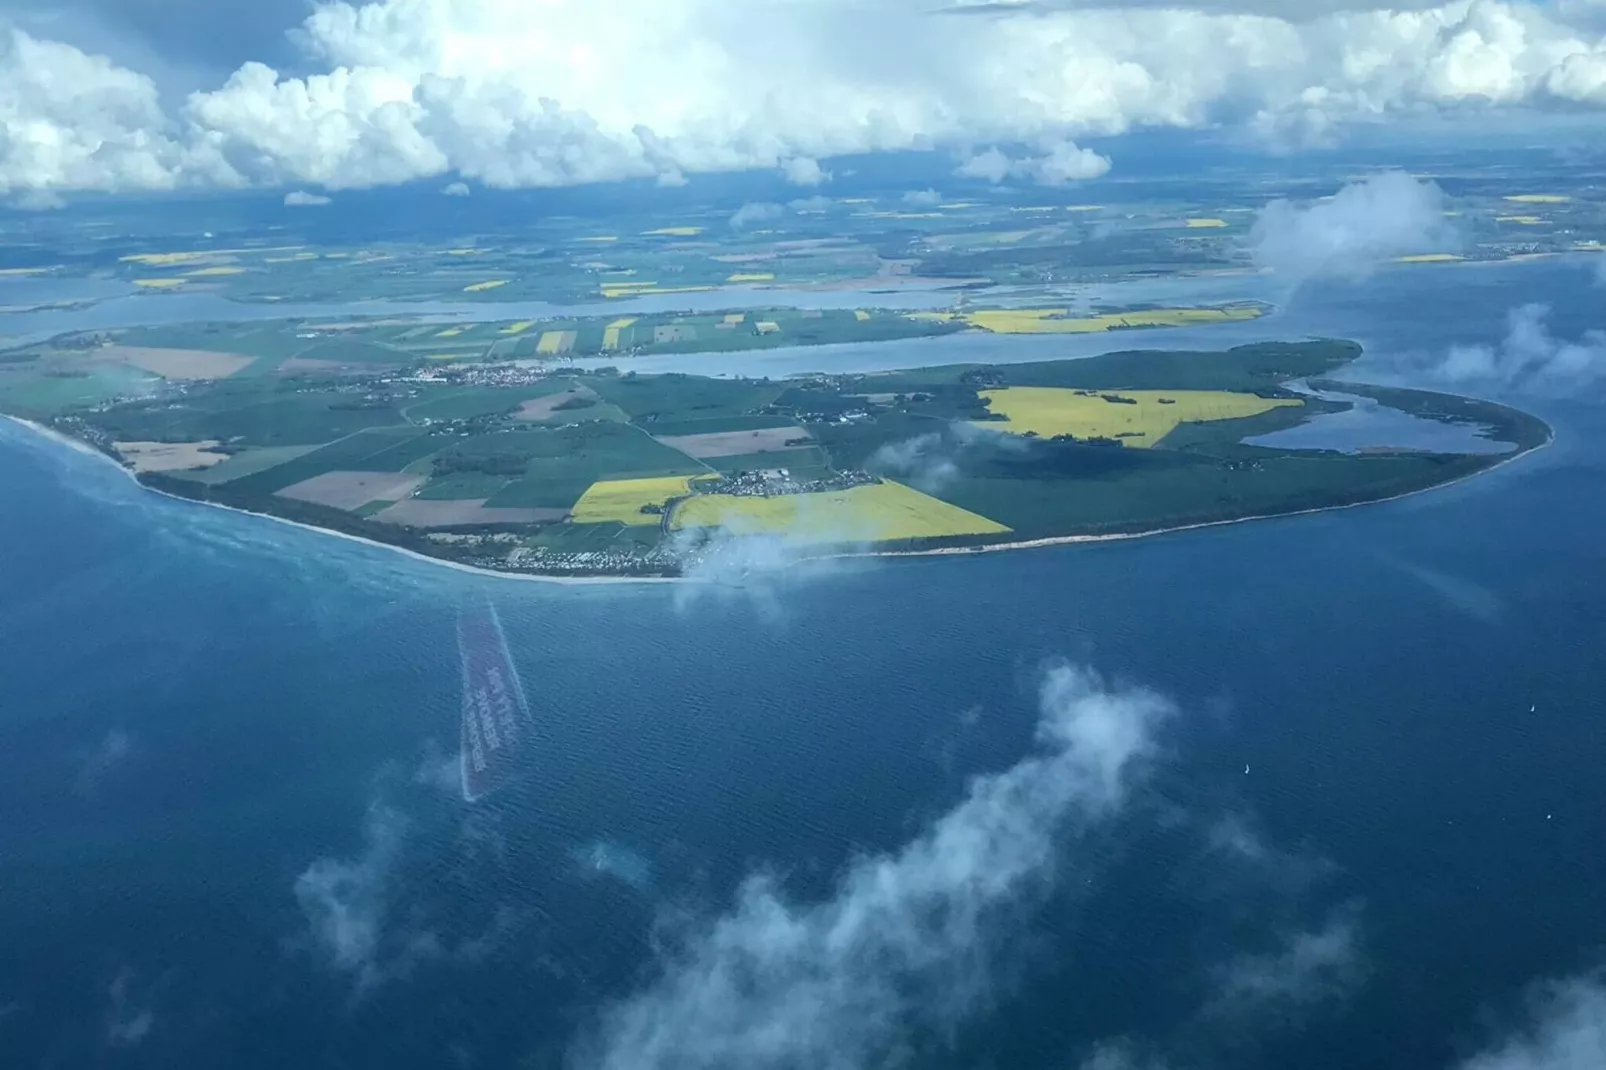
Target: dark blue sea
(1374,819)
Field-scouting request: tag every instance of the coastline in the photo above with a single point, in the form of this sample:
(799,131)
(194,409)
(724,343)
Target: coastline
(946,551)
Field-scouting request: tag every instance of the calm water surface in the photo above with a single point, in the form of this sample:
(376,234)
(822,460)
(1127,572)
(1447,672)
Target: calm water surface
(227,842)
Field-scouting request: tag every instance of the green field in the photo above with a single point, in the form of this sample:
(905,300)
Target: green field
(940,456)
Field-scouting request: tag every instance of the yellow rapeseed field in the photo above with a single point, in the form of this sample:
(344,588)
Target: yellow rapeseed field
(610,333)
(1524,220)
(619,501)
(159,284)
(1429,258)
(877,512)
(674,232)
(481,287)
(860,314)
(1050,411)
(734,318)
(555,342)
(1538,198)
(1204,224)
(214,271)
(1060,321)
(450,332)
(752,276)
(517,328)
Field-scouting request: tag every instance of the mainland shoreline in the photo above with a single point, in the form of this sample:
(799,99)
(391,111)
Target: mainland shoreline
(78,445)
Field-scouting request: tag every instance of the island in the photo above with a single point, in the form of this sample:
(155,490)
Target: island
(546,468)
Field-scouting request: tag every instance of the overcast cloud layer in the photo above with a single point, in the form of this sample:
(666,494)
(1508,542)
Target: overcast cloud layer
(552,92)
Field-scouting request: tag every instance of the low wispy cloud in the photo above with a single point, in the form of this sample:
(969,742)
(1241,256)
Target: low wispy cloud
(1530,358)
(128,1019)
(1566,1030)
(754,566)
(346,900)
(934,460)
(303,199)
(1384,216)
(926,461)
(811,204)
(755,212)
(805,171)
(1305,966)
(98,762)
(457,189)
(1058,163)
(905,942)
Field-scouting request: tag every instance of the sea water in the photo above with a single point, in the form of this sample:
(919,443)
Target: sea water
(231,836)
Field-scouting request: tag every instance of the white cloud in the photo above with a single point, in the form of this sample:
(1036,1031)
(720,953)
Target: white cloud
(755,212)
(1306,966)
(510,93)
(1567,1032)
(458,189)
(1386,215)
(128,1022)
(922,198)
(38,200)
(816,203)
(805,171)
(346,900)
(1530,358)
(302,199)
(906,936)
(925,461)
(1061,161)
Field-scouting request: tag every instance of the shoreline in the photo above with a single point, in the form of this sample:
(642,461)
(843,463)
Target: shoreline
(80,446)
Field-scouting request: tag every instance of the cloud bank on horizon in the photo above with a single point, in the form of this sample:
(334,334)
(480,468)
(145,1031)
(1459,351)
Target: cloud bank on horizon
(512,93)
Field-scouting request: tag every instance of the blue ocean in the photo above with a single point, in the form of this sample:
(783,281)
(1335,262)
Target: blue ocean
(1367,818)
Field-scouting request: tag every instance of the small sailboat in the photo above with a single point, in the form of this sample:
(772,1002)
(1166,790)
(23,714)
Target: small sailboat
(1246,770)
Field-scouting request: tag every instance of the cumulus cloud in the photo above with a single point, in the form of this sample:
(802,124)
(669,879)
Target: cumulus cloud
(303,199)
(805,171)
(1566,1031)
(1530,358)
(508,93)
(755,212)
(1383,216)
(905,939)
(346,900)
(457,189)
(922,198)
(1060,162)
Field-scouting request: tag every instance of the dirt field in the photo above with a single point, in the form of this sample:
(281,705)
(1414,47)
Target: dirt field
(170,456)
(422,513)
(547,407)
(735,443)
(179,363)
(352,490)
(308,364)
